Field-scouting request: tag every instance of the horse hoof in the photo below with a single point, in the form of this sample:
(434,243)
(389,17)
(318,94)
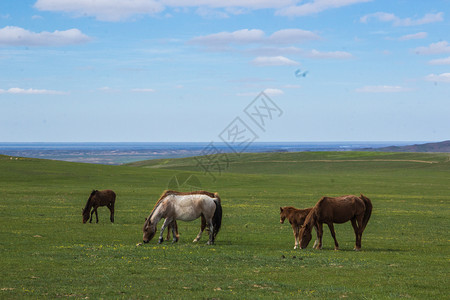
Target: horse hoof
(210,243)
(160,241)
(357,249)
(295,247)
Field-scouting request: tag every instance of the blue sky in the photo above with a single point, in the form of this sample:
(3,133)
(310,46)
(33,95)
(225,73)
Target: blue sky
(183,70)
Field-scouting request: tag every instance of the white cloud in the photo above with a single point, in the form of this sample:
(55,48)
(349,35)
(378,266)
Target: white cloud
(31,91)
(315,54)
(117,10)
(143,90)
(243,36)
(249,4)
(444,77)
(252,36)
(104,10)
(273,92)
(435,48)
(329,55)
(316,6)
(382,89)
(16,36)
(440,61)
(273,61)
(397,21)
(414,36)
(291,36)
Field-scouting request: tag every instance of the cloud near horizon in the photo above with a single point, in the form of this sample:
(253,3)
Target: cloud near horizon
(17,36)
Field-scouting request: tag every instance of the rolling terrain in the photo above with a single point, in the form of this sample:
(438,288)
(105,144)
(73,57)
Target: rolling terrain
(48,253)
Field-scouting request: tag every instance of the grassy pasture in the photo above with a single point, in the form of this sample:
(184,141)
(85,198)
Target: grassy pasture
(46,252)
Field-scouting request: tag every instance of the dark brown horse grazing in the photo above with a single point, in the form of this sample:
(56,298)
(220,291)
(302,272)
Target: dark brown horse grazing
(96,199)
(296,218)
(330,210)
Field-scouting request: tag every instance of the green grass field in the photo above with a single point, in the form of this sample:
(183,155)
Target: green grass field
(46,251)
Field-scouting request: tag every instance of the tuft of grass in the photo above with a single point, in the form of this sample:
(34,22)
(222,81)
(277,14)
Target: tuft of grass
(46,251)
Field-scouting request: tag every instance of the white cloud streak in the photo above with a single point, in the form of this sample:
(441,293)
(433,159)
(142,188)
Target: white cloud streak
(31,91)
(397,21)
(440,61)
(143,90)
(315,7)
(253,36)
(119,10)
(414,36)
(103,10)
(273,61)
(444,77)
(382,89)
(16,36)
(434,48)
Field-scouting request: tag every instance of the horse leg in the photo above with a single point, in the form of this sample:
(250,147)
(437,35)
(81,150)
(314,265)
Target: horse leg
(169,228)
(211,233)
(333,234)
(167,221)
(296,236)
(111,209)
(174,231)
(92,212)
(96,214)
(358,232)
(202,227)
(319,235)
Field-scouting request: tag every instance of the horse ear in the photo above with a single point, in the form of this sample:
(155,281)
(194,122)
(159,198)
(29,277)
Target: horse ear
(281,209)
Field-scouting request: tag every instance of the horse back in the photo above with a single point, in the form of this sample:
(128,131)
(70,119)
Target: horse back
(339,209)
(106,197)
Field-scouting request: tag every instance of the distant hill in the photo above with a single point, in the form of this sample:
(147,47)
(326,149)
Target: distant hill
(428,147)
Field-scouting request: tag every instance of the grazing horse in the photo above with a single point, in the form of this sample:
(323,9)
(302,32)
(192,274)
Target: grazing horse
(96,199)
(342,209)
(174,206)
(296,218)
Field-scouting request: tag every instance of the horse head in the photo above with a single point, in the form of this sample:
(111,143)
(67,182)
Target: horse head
(85,214)
(282,215)
(149,231)
(305,235)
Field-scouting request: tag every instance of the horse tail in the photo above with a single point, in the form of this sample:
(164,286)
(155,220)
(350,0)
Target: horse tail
(217,218)
(367,212)
(216,195)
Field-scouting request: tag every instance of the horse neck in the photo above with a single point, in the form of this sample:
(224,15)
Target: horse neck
(311,218)
(88,204)
(157,213)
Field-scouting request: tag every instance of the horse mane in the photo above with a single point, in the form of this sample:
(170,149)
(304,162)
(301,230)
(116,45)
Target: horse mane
(176,193)
(88,203)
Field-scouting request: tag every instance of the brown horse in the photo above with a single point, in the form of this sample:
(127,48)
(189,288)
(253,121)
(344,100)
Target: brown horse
(342,209)
(96,199)
(296,218)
